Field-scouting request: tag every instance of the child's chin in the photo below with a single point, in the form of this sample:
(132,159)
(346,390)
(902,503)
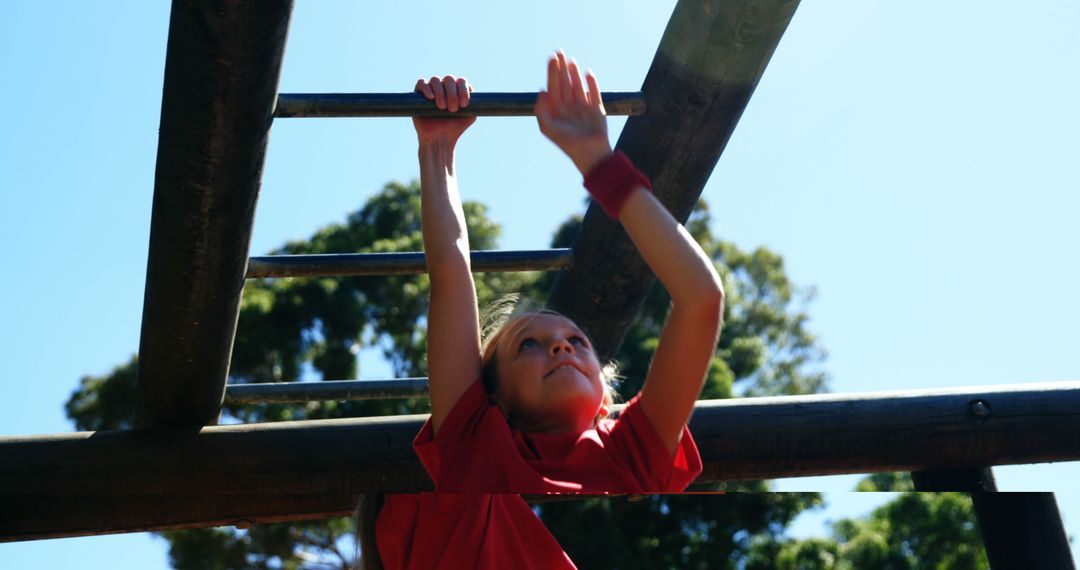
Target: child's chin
(574,388)
(579,400)
(571,378)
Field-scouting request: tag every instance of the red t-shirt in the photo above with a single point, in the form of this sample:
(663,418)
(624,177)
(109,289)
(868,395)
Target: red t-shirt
(477,451)
(478,462)
(482,531)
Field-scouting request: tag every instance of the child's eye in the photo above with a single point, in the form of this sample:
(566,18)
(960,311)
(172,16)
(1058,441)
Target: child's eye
(578,340)
(527,343)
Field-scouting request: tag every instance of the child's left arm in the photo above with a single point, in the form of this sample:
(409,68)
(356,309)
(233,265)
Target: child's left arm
(688,340)
(573,119)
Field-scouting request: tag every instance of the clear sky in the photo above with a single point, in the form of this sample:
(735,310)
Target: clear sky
(910,161)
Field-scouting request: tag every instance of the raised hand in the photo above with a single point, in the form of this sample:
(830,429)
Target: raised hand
(572,117)
(450,94)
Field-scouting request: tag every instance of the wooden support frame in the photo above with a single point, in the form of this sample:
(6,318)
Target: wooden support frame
(222,68)
(221,74)
(124,481)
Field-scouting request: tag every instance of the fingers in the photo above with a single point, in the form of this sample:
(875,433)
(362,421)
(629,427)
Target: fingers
(565,84)
(577,89)
(423,88)
(543,114)
(559,83)
(450,86)
(594,96)
(565,92)
(440,94)
(553,75)
(449,93)
(464,91)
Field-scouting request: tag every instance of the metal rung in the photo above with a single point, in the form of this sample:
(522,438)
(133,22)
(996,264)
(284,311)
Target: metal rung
(282,392)
(403,263)
(415,105)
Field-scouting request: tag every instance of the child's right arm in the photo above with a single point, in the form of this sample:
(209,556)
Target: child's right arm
(453,319)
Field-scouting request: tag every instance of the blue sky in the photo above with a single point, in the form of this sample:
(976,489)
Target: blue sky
(913,162)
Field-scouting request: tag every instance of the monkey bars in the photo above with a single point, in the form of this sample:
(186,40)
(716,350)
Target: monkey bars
(220,96)
(404,263)
(484,104)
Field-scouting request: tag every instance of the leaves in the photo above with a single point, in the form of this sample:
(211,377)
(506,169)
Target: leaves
(105,402)
(912,532)
(670,531)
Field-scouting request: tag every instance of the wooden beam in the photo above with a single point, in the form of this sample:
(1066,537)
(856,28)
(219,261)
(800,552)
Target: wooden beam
(99,482)
(221,75)
(709,62)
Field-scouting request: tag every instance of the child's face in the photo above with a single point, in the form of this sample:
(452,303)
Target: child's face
(549,377)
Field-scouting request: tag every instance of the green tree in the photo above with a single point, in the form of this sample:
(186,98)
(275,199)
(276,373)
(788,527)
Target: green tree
(312,329)
(710,531)
(913,531)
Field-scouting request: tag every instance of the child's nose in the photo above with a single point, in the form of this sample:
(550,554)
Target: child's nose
(561,345)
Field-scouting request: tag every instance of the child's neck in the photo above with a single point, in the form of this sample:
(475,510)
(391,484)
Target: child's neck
(551,425)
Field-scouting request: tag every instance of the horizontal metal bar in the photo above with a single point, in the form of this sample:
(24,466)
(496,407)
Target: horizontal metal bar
(402,263)
(415,105)
(244,474)
(280,392)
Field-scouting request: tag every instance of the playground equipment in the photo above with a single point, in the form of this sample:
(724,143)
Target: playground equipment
(179,470)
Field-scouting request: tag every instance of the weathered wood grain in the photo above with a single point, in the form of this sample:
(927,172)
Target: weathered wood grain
(93,483)
(221,74)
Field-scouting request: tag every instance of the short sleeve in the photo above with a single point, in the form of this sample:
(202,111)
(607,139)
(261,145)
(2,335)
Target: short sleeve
(474,451)
(462,420)
(634,441)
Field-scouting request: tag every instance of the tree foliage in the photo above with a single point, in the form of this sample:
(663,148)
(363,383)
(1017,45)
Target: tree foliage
(914,531)
(310,329)
(693,531)
(105,402)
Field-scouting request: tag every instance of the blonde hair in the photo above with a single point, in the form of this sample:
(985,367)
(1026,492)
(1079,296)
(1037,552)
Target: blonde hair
(502,316)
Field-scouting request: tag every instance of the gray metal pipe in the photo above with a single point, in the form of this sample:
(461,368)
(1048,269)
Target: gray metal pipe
(312,105)
(402,263)
(283,392)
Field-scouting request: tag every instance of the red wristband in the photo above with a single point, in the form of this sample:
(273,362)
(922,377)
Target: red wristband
(611,181)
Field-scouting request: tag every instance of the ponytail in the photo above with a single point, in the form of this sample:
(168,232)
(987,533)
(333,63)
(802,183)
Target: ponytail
(367,512)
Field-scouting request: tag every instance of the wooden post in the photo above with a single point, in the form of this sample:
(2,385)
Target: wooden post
(221,75)
(1019,530)
(1022,530)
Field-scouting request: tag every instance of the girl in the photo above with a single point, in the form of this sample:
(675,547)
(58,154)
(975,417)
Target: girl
(522,412)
